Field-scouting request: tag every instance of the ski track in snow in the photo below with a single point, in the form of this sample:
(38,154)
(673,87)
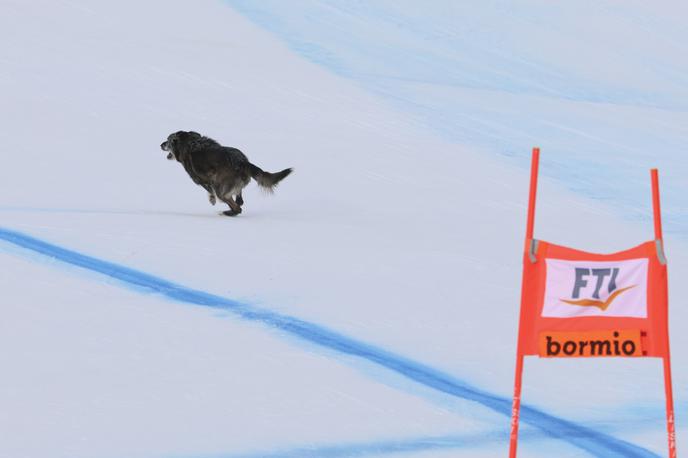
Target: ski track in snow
(594,442)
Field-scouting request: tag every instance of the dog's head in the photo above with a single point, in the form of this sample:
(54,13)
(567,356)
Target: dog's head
(177,141)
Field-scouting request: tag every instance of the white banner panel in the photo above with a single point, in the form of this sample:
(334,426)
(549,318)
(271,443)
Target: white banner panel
(592,288)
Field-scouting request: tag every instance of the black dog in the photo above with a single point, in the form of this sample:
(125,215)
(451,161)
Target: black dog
(221,170)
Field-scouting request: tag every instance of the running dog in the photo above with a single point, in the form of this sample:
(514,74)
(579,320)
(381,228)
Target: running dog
(223,171)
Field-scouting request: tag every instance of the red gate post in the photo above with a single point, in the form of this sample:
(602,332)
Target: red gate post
(656,210)
(530,224)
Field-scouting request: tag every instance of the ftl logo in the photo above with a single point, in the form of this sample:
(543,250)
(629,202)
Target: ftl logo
(589,288)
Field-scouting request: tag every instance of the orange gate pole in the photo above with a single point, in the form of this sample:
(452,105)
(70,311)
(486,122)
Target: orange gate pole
(516,407)
(518,377)
(671,428)
(656,210)
(534,166)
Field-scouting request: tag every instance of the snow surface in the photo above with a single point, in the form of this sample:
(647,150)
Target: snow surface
(601,85)
(369,307)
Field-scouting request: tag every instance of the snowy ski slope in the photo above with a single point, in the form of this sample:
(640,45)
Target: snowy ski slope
(601,85)
(369,307)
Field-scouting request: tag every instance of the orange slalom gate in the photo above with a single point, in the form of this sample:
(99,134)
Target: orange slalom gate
(579,304)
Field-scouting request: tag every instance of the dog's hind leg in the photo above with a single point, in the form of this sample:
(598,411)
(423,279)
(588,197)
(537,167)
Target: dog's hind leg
(239,199)
(235,209)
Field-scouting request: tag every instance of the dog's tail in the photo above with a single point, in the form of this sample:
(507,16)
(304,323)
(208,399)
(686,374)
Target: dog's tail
(267,180)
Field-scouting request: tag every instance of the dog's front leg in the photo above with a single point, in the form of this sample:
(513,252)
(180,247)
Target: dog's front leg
(211,193)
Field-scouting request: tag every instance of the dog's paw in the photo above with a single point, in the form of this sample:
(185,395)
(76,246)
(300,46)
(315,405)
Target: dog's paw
(212,199)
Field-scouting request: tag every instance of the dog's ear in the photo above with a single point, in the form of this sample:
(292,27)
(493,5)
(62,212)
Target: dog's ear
(181,135)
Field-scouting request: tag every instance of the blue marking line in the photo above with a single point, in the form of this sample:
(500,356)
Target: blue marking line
(590,440)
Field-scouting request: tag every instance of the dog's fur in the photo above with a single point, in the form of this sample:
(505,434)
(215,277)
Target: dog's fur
(223,171)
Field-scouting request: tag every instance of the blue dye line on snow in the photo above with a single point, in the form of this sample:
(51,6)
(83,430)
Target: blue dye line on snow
(594,442)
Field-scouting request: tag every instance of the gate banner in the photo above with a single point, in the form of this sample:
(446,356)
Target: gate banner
(600,301)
